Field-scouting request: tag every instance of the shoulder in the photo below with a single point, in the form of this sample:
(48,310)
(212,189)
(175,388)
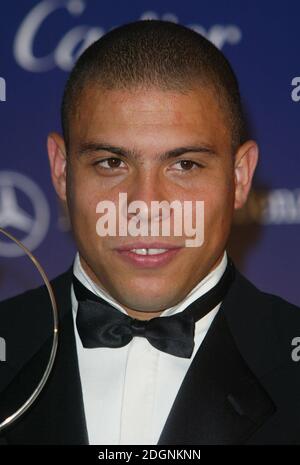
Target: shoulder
(37,296)
(26,320)
(268,305)
(264,325)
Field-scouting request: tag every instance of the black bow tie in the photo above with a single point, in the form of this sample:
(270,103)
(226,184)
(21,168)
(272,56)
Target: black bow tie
(99,324)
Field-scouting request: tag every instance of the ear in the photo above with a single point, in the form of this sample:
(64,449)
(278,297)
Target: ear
(246,159)
(57,158)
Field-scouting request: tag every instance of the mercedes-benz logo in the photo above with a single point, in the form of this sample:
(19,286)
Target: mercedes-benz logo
(30,222)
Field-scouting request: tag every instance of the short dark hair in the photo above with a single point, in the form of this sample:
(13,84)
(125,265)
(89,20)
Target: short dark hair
(156,53)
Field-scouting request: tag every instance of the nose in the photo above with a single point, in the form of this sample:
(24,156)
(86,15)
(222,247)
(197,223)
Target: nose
(147,187)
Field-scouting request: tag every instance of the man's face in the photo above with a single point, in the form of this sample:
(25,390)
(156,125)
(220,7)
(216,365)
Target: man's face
(143,125)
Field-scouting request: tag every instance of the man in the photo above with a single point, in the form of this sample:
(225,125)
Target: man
(160,343)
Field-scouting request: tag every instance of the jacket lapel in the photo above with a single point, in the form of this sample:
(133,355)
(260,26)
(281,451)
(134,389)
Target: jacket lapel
(220,400)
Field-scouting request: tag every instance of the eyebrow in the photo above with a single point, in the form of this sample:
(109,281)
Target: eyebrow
(91,147)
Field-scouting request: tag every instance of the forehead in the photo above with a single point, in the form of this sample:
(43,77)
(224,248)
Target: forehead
(150,111)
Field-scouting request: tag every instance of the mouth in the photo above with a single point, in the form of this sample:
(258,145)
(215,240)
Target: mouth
(148,255)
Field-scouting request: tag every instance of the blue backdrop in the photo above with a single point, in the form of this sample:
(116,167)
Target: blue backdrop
(39,42)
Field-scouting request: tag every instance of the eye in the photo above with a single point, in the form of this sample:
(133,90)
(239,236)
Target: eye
(188,165)
(109,163)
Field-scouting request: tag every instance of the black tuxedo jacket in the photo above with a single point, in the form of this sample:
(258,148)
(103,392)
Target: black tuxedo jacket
(242,387)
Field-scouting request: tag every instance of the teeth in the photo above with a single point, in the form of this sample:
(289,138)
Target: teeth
(148,251)
(139,251)
(156,251)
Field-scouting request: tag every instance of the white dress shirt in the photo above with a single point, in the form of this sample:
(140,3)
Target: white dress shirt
(128,391)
